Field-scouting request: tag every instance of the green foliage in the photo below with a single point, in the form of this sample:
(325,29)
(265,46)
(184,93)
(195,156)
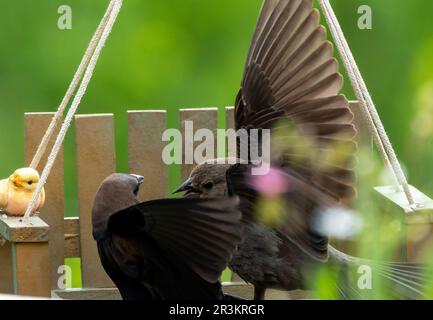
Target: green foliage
(161,54)
(75,265)
(190,53)
(379,241)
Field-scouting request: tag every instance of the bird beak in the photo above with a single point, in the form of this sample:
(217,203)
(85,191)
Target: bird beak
(16,182)
(187,185)
(140,179)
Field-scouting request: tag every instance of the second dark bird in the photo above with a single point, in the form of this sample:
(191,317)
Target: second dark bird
(171,249)
(291,86)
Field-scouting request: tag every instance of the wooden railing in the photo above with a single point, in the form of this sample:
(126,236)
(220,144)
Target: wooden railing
(31,257)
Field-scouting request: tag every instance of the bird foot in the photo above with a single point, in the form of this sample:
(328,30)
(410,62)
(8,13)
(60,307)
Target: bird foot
(259,293)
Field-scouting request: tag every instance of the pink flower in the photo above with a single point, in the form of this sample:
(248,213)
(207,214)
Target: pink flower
(272,184)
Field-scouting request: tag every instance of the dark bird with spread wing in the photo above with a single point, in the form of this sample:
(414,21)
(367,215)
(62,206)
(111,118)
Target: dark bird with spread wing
(171,249)
(291,86)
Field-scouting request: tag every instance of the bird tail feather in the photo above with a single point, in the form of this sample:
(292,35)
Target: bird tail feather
(367,279)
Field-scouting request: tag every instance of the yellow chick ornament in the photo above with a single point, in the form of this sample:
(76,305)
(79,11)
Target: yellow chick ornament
(16,192)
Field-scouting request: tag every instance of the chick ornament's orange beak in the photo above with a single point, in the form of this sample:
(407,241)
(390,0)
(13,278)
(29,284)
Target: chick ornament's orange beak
(17,182)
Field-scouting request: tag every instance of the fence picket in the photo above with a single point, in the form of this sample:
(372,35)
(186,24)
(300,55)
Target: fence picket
(204,118)
(53,212)
(145,146)
(6,272)
(95,161)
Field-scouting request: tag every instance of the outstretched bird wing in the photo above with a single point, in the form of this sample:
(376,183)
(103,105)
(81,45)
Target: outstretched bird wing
(291,211)
(291,85)
(200,233)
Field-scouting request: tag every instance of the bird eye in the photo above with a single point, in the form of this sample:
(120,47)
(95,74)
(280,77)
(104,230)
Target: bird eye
(208,185)
(30,182)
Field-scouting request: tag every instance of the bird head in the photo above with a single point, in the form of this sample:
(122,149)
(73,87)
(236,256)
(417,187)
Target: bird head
(25,179)
(208,179)
(116,193)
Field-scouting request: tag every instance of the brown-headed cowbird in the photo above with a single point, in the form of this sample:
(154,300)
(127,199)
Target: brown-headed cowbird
(291,86)
(174,249)
(282,248)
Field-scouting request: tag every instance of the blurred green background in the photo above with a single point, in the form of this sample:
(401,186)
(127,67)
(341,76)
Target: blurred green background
(190,53)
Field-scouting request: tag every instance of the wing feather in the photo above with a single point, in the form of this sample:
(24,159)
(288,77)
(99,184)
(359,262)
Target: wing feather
(202,233)
(291,81)
(301,203)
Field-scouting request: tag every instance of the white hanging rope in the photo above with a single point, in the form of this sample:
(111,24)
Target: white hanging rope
(112,13)
(369,109)
(361,99)
(72,88)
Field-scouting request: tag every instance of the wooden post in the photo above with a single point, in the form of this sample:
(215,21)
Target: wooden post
(363,137)
(206,118)
(28,240)
(416,222)
(230,118)
(230,124)
(95,162)
(72,237)
(145,145)
(6,273)
(53,211)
